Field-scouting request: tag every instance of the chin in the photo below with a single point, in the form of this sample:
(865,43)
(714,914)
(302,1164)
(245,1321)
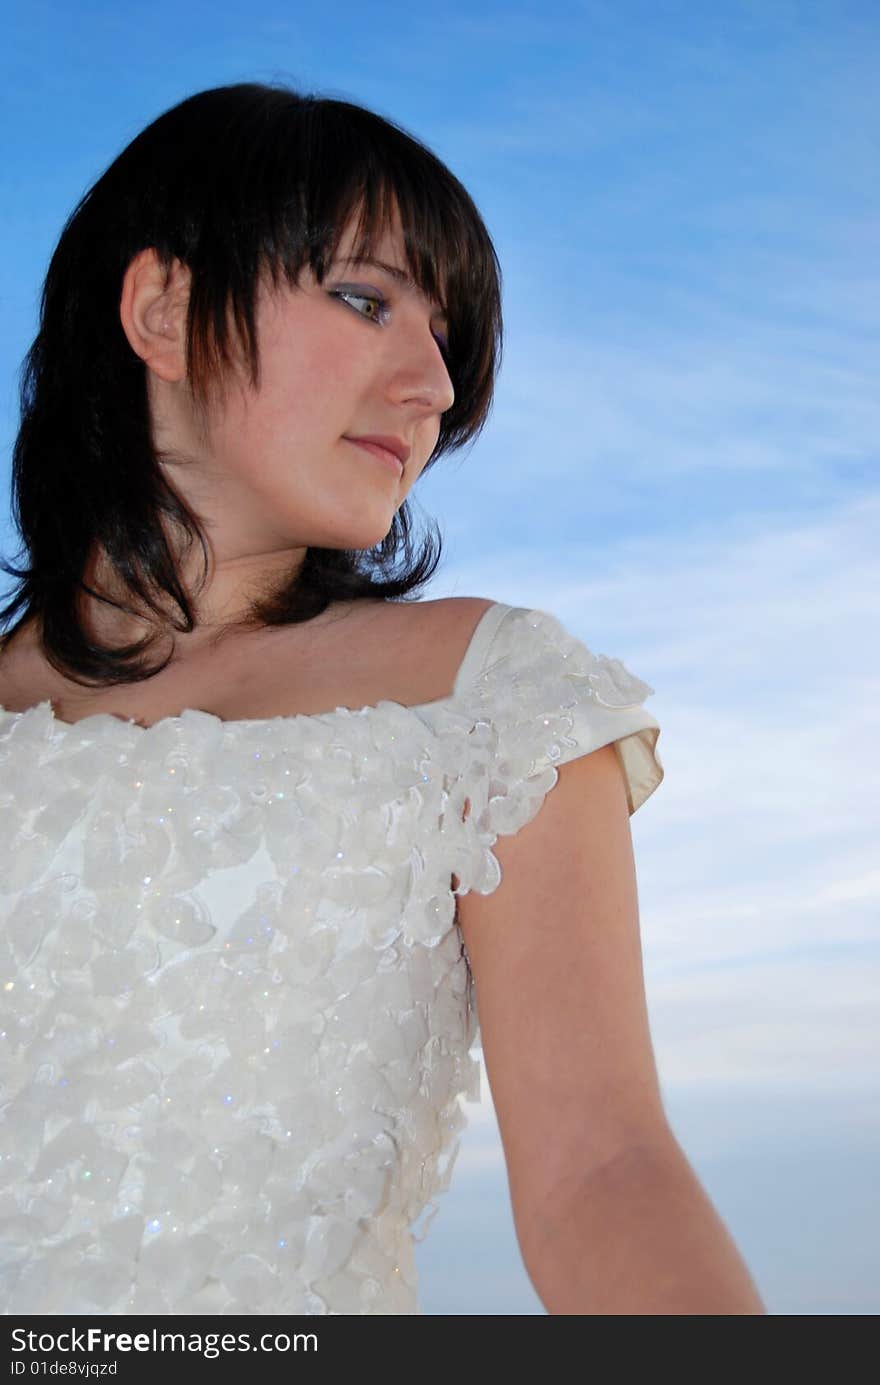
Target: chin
(358,536)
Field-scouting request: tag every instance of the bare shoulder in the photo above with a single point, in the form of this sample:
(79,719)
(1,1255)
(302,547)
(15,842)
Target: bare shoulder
(435,636)
(455,616)
(556,958)
(456,610)
(368,651)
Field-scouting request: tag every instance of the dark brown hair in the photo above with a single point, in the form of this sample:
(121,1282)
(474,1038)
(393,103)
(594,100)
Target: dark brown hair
(232,182)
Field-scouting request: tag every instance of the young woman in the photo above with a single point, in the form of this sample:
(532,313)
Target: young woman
(271,826)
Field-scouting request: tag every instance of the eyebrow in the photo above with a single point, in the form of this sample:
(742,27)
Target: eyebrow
(400,276)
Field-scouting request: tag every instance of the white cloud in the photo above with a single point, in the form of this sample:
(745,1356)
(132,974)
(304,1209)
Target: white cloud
(797,1023)
(757,857)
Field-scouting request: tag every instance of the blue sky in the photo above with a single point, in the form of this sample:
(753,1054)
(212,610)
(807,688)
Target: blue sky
(681,465)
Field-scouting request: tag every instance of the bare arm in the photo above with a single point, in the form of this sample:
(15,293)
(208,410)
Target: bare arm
(609,1215)
(638,1237)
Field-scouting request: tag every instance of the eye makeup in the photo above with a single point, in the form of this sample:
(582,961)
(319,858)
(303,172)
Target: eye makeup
(382,308)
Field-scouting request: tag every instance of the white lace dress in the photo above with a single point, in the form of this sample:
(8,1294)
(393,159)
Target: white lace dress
(237,1015)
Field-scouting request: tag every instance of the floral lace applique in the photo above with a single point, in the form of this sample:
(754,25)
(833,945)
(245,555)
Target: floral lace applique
(237,1013)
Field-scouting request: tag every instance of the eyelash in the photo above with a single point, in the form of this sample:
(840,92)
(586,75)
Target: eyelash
(383,307)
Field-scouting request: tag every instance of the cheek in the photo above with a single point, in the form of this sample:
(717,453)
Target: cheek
(312,390)
(315,373)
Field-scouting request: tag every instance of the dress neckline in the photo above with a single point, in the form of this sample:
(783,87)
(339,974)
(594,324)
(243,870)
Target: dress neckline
(472,655)
(188,714)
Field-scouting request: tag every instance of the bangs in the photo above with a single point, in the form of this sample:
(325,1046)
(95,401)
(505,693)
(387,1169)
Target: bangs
(301,170)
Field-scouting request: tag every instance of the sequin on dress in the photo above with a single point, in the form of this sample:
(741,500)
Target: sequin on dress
(237,1014)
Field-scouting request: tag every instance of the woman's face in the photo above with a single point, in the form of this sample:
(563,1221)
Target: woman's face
(274,470)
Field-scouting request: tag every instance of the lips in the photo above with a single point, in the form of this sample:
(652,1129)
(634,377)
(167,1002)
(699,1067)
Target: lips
(396,446)
(382,454)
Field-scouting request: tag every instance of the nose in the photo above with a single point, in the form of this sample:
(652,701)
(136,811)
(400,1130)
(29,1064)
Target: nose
(420,373)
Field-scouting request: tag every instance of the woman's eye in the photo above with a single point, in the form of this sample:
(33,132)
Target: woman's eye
(377,303)
(378,310)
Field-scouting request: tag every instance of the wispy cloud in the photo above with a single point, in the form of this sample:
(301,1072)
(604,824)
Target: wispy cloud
(759,888)
(681,465)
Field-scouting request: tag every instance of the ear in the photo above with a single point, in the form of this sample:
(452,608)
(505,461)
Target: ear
(152,309)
